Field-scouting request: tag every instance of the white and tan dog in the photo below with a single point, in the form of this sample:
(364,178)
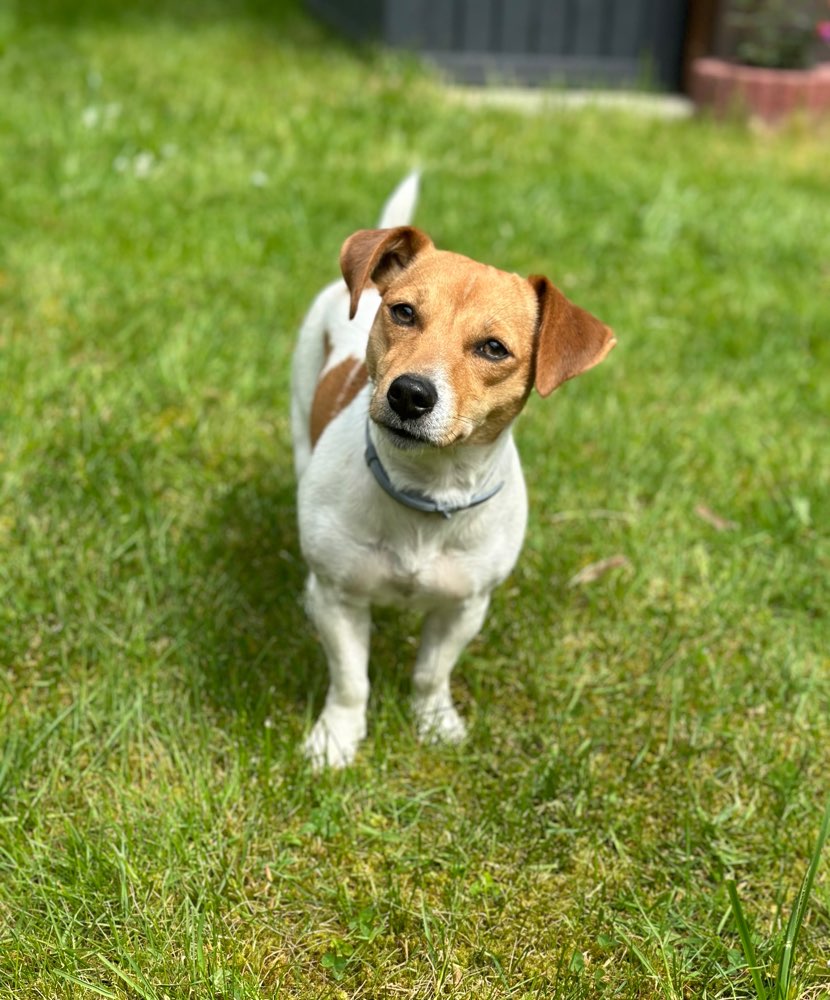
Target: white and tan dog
(406,380)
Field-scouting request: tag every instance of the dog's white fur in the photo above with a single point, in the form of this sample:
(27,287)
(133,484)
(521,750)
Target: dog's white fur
(363,547)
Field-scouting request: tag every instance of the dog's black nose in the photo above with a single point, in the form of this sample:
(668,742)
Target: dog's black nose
(411,397)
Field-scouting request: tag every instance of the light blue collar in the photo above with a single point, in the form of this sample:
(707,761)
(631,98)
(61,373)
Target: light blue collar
(417,501)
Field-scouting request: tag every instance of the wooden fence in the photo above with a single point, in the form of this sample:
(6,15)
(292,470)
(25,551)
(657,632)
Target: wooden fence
(580,42)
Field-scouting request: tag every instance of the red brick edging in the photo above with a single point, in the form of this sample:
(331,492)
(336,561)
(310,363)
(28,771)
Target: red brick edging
(771,94)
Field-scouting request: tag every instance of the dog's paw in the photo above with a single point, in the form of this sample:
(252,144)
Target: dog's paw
(438,721)
(334,739)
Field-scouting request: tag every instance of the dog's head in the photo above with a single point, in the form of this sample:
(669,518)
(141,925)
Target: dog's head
(457,346)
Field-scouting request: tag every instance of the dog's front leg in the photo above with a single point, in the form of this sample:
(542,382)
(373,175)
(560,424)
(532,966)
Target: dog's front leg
(343,627)
(446,632)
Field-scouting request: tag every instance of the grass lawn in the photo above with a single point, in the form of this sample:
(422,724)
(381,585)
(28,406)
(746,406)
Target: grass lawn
(175,187)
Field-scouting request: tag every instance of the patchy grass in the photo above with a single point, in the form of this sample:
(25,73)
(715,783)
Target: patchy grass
(176,184)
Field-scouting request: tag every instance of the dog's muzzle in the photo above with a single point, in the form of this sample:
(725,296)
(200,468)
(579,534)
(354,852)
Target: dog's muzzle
(412,397)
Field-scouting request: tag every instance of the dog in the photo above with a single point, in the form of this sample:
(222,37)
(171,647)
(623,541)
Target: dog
(406,379)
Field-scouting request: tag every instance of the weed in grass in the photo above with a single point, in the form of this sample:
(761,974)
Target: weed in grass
(782,950)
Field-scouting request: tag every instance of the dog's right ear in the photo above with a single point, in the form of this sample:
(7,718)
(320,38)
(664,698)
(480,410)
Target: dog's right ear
(378,255)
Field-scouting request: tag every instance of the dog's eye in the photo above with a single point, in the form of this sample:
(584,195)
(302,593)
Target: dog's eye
(402,313)
(492,349)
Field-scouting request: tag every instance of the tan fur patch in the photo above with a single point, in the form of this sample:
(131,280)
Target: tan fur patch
(335,390)
(459,304)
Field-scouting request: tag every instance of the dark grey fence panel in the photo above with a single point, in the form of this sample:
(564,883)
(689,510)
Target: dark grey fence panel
(532,41)
(440,24)
(553,28)
(668,21)
(627,27)
(587,38)
(357,19)
(479,26)
(515,25)
(405,24)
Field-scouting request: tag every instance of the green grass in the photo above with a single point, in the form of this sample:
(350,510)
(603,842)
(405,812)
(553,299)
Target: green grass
(784,985)
(175,188)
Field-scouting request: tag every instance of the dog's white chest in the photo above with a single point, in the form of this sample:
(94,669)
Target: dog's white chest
(367,545)
(414,575)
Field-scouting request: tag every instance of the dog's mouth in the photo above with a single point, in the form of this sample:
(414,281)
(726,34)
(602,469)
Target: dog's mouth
(405,438)
(409,440)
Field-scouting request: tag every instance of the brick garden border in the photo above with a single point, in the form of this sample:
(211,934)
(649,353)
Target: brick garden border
(769,94)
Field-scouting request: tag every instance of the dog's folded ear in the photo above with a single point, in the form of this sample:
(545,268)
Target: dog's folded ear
(378,255)
(569,339)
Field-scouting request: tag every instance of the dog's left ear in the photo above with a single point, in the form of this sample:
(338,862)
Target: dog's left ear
(569,340)
(379,255)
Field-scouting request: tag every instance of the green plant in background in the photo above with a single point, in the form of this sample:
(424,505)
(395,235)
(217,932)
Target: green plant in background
(777,34)
(784,986)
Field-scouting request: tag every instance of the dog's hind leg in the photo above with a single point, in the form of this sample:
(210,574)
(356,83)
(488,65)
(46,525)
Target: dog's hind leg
(446,632)
(343,628)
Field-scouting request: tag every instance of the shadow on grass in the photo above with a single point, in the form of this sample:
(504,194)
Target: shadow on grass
(254,651)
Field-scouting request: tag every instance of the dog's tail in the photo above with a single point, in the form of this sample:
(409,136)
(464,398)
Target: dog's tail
(400,206)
